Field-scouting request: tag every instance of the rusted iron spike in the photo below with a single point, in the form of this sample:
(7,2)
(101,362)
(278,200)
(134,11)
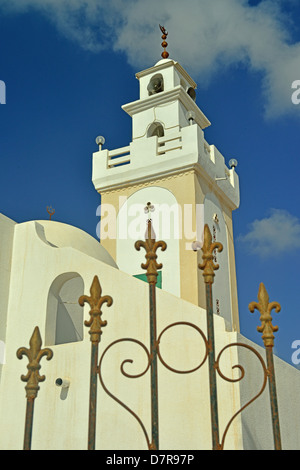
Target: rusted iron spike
(34,354)
(150,245)
(33,377)
(95,300)
(267,329)
(151,265)
(208,266)
(265,307)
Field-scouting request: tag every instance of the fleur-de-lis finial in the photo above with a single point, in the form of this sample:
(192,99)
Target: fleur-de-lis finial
(95,300)
(150,245)
(208,266)
(34,354)
(265,307)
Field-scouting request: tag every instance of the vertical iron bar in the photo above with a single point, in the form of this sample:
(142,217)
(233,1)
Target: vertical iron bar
(34,354)
(151,245)
(153,354)
(28,424)
(95,301)
(93,397)
(208,267)
(212,371)
(267,329)
(273,398)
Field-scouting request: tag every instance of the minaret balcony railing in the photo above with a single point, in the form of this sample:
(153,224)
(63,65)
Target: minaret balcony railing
(169,143)
(148,157)
(118,157)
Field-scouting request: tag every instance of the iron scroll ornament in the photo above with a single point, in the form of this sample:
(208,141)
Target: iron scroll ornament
(208,268)
(217,367)
(133,376)
(238,379)
(128,376)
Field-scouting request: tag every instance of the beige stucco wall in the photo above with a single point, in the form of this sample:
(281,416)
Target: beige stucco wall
(61,417)
(60,421)
(182,186)
(188,188)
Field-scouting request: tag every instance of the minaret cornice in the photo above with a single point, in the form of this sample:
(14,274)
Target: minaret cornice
(164,64)
(168,96)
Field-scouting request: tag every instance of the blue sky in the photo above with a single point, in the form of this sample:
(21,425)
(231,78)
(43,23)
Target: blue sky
(68,67)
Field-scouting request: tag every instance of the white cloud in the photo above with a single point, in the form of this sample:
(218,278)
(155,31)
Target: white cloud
(274,235)
(205,36)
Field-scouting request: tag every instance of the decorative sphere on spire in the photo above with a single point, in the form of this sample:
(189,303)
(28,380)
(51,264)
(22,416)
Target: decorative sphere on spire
(164,44)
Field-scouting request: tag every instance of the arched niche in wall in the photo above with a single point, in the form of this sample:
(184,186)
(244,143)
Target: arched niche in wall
(213,216)
(64,320)
(132,225)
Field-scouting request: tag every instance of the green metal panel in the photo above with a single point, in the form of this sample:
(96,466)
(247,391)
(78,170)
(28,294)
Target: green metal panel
(143,277)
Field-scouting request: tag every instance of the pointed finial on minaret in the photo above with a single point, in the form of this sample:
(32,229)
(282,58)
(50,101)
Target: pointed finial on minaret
(164,44)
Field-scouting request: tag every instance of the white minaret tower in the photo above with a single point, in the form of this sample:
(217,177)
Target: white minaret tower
(169,164)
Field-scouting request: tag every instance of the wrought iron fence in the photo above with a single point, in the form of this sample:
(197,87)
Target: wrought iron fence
(95,323)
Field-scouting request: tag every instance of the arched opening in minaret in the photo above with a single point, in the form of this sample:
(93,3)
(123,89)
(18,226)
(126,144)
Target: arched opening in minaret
(156,84)
(64,318)
(156,128)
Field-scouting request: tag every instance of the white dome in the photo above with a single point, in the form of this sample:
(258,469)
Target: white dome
(64,235)
(163,61)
